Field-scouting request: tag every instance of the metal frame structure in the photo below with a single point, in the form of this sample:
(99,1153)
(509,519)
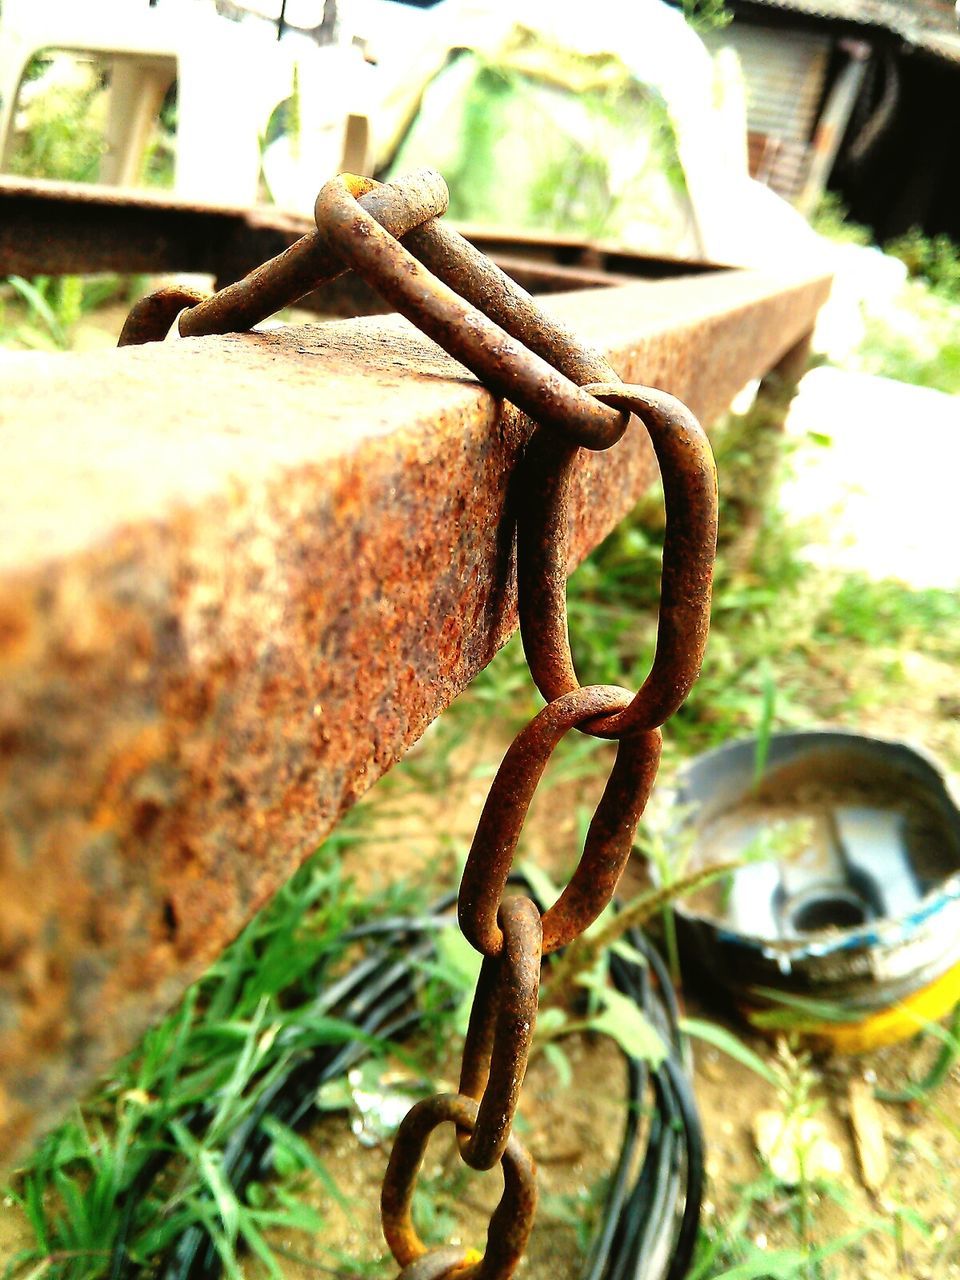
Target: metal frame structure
(240,575)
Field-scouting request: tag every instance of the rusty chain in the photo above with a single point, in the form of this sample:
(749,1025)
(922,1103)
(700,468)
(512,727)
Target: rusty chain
(291,275)
(391,235)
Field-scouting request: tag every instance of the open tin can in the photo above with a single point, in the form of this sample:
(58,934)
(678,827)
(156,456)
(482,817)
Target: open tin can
(848,898)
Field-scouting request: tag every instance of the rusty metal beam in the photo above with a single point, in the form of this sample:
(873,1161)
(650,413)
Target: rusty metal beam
(239,576)
(58,228)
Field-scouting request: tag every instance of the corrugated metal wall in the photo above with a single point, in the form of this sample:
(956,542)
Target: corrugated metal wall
(784,73)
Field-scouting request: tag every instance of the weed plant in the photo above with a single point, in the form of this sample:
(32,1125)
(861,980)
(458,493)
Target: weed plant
(43,314)
(232,1036)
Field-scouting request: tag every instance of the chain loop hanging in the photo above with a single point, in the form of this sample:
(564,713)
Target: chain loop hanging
(609,838)
(511,1221)
(690,494)
(500,1031)
(483,318)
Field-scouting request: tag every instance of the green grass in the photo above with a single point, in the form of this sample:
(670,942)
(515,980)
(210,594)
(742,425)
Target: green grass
(917,344)
(235,1032)
(887,612)
(44,314)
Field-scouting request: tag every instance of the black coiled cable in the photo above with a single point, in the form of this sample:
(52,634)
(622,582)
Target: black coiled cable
(649,1226)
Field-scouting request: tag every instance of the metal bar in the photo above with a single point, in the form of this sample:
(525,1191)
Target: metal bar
(239,576)
(57,228)
(54,228)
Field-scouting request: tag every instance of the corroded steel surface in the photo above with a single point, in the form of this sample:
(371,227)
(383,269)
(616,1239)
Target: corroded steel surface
(238,578)
(54,228)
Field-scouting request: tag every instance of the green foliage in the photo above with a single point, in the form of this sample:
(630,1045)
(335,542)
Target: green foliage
(435,1202)
(563,123)
(933,259)
(915,341)
(47,310)
(887,612)
(235,1032)
(452,979)
(480,127)
(947,1040)
(579,1211)
(831,219)
(616,1016)
(926,356)
(63,139)
(720,1038)
(729,1254)
(706,15)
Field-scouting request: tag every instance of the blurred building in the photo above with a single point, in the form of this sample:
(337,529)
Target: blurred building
(858,96)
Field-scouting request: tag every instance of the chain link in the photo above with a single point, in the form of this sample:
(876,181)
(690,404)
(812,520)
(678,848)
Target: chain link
(609,838)
(511,1221)
(439,1264)
(500,1031)
(304,266)
(690,494)
(479,315)
(501,362)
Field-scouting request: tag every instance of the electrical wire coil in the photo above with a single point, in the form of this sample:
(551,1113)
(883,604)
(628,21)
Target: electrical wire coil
(649,1224)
